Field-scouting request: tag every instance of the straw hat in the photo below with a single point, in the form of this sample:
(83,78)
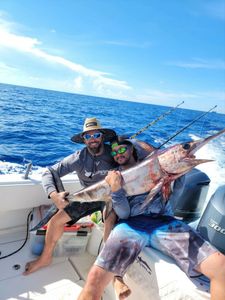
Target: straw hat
(93,124)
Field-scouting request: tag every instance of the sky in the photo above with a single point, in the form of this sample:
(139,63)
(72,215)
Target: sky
(158,52)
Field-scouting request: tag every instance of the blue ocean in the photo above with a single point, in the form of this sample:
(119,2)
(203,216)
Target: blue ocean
(36,126)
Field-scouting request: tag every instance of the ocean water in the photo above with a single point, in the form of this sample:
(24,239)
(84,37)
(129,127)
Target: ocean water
(36,125)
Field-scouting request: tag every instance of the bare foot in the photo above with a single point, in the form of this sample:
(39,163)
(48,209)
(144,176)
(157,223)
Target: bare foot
(120,287)
(35,265)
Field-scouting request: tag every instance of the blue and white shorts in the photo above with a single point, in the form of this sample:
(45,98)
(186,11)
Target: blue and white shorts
(164,233)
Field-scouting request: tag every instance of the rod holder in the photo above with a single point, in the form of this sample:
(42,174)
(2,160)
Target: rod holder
(28,169)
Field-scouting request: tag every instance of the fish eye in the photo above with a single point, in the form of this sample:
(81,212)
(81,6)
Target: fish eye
(186,146)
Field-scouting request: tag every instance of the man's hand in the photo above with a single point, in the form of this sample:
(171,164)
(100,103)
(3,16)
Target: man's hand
(114,179)
(59,199)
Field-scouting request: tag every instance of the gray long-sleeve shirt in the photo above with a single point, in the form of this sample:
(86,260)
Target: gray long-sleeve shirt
(89,168)
(129,206)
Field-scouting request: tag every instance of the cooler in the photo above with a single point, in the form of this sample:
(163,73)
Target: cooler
(73,241)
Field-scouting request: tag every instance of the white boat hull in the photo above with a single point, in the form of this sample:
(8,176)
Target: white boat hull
(153,276)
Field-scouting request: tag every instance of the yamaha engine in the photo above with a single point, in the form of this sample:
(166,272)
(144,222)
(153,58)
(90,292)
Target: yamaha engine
(189,204)
(212,222)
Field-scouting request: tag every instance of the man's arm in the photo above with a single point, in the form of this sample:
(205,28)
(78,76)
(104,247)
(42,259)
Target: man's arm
(64,167)
(59,199)
(119,199)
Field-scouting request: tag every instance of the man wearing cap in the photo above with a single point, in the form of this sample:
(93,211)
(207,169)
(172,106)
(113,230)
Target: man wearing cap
(151,225)
(91,165)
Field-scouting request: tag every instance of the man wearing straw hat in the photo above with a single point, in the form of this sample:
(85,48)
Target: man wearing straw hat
(91,165)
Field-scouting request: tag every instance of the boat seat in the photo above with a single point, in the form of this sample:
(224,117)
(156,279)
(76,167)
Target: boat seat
(159,278)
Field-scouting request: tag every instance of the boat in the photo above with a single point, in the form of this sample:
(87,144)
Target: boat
(153,276)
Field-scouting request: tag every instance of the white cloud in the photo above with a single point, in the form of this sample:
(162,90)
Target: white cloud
(78,83)
(29,45)
(98,83)
(195,100)
(129,44)
(6,68)
(25,44)
(101,81)
(158,95)
(198,63)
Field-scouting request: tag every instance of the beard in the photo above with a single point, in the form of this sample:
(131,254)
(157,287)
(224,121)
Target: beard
(122,161)
(95,149)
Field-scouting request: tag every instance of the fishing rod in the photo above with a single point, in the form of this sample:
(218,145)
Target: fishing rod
(185,127)
(156,120)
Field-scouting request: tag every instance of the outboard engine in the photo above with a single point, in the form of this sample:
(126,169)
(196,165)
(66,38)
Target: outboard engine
(212,222)
(189,204)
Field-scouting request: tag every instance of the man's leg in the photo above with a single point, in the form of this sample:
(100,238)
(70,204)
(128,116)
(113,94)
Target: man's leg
(191,252)
(120,250)
(97,280)
(54,232)
(214,268)
(109,217)
(122,290)
(72,212)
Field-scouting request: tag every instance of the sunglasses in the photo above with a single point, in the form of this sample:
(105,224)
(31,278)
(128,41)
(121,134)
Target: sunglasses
(96,135)
(119,151)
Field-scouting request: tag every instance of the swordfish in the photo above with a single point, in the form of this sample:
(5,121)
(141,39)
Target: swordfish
(155,173)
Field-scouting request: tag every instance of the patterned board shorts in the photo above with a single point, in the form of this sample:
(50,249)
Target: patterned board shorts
(166,234)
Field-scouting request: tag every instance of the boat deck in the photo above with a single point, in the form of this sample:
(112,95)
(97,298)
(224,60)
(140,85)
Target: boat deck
(151,277)
(62,280)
